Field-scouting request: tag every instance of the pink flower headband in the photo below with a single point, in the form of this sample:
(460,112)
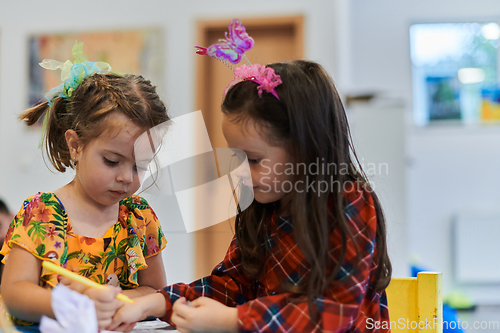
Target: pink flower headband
(232,49)
(264,76)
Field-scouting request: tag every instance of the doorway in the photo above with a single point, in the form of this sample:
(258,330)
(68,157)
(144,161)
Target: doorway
(277,39)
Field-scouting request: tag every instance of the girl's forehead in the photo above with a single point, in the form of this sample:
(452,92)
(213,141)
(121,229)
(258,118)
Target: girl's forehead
(247,126)
(120,127)
(118,139)
(248,133)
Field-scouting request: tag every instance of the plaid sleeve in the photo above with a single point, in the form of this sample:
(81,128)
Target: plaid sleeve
(227,284)
(350,303)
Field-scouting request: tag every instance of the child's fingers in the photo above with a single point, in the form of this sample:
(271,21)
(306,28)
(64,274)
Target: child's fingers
(126,316)
(103,323)
(105,314)
(118,289)
(196,303)
(182,309)
(115,291)
(103,295)
(115,323)
(181,300)
(127,328)
(73,285)
(121,328)
(179,321)
(107,306)
(200,301)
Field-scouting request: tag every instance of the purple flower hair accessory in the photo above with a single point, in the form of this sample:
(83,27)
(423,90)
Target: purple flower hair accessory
(264,76)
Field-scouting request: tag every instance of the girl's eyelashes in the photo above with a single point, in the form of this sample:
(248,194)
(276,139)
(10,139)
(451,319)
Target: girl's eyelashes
(139,168)
(110,162)
(242,158)
(240,155)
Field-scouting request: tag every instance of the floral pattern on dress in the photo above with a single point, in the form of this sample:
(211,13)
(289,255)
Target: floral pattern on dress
(42,227)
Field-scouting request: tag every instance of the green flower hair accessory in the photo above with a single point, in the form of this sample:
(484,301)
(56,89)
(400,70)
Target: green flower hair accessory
(72,75)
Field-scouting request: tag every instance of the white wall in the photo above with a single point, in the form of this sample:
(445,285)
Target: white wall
(378,135)
(22,170)
(448,168)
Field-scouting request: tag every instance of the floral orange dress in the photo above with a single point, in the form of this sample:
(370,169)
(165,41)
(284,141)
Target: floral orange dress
(43,228)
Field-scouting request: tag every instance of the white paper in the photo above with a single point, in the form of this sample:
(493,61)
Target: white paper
(75,313)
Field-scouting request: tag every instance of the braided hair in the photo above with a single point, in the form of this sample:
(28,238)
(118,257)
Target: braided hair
(87,110)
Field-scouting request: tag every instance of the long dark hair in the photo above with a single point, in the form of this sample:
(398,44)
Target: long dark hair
(309,120)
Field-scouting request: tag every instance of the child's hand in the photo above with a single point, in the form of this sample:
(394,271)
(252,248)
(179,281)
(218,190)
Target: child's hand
(126,317)
(73,285)
(204,314)
(105,303)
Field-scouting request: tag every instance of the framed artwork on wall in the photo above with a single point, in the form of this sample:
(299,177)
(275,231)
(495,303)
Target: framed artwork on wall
(137,51)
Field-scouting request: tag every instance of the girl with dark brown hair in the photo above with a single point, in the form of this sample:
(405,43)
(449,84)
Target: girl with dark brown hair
(310,253)
(95,225)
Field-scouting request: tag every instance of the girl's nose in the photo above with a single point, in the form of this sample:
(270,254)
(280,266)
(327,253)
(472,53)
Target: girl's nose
(125,175)
(240,161)
(243,172)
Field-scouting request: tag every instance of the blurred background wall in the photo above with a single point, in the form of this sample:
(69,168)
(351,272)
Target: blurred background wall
(434,172)
(450,170)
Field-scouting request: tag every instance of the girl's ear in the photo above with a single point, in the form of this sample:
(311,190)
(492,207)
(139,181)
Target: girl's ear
(74,145)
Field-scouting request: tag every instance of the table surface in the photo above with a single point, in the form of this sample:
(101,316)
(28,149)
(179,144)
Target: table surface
(142,327)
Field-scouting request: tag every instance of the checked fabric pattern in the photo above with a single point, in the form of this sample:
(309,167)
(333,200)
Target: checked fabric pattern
(347,306)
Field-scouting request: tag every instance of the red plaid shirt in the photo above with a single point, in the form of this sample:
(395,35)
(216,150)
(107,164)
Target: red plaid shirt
(350,305)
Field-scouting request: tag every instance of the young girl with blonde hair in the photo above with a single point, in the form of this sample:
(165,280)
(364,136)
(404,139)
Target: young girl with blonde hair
(95,225)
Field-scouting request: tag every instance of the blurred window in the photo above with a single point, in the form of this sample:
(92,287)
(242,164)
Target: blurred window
(455,72)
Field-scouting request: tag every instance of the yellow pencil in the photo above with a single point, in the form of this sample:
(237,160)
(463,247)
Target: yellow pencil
(81,279)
